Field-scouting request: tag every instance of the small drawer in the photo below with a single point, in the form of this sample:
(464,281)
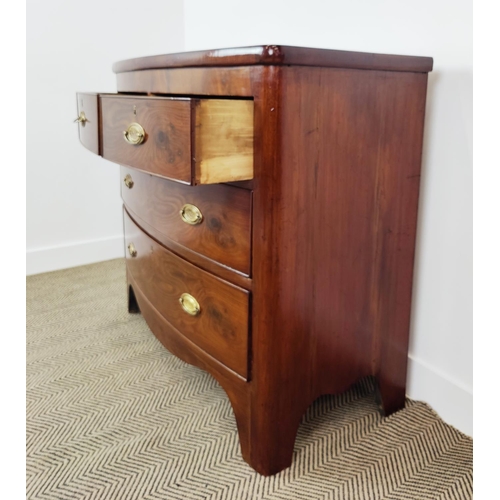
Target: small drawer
(210,312)
(88,120)
(194,141)
(214,221)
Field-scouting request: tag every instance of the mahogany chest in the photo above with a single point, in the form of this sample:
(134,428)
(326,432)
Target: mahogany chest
(270,203)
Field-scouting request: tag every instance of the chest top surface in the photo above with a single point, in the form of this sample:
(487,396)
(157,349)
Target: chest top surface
(278,55)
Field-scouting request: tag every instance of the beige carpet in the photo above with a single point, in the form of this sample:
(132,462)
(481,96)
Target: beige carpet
(112,415)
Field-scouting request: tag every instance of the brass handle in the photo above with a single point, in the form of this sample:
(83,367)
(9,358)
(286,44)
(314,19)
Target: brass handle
(190,304)
(128,181)
(132,250)
(134,134)
(191,214)
(81,119)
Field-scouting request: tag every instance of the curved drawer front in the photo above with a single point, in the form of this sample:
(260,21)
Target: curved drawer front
(87,106)
(165,148)
(221,230)
(194,141)
(213,313)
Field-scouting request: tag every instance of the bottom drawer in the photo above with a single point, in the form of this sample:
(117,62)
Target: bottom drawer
(212,313)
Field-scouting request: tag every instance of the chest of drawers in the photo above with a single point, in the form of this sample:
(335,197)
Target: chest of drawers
(270,205)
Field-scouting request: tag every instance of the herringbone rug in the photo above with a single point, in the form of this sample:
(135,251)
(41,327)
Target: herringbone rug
(112,415)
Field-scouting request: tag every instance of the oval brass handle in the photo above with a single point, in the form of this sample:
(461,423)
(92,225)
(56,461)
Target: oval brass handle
(134,134)
(191,214)
(132,250)
(81,118)
(190,304)
(128,181)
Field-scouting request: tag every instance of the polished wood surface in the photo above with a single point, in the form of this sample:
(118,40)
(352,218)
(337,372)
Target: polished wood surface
(337,143)
(88,130)
(223,139)
(166,150)
(278,55)
(199,260)
(224,233)
(238,81)
(221,328)
(341,183)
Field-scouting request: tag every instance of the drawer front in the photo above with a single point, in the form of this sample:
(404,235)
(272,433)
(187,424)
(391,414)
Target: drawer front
(88,120)
(221,229)
(193,141)
(220,327)
(166,147)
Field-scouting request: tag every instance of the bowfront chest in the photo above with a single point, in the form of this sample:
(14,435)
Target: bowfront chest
(270,203)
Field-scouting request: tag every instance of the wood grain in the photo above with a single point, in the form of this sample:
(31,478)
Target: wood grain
(203,262)
(225,231)
(167,122)
(221,328)
(237,81)
(89,130)
(223,138)
(335,208)
(278,55)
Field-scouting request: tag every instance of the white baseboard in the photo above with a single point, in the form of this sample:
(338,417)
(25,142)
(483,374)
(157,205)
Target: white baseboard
(451,399)
(42,260)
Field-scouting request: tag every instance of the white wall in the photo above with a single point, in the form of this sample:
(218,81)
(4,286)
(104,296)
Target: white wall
(440,369)
(73,197)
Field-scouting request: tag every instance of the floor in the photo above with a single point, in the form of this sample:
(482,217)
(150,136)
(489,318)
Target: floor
(112,415)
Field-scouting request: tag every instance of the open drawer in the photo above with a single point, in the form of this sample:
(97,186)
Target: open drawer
(189,140)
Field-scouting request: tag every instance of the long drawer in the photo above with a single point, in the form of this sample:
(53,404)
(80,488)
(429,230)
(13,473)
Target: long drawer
(87,106)
(211,312)
(185,139)
(214,221)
